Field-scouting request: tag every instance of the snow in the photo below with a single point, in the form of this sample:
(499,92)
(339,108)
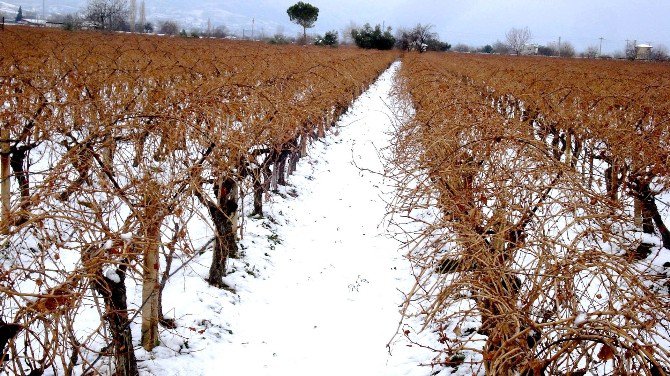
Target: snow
(581,318)
(329,280)
(112,275)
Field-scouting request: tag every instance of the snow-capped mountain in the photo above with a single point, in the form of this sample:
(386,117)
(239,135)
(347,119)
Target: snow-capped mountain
(238,18)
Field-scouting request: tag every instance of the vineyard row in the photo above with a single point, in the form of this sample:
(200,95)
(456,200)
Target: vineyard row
(548,254)
(111,145)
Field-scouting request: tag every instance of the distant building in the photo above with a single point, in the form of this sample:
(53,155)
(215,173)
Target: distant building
(32,22)
(530,49)
(643,52)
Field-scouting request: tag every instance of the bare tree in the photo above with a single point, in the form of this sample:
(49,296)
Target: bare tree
(143,17)
(565,49)
(630,52)
(517,39)
(169,28)
(461,47)
(346,33)
(591,52)
(109,14)
(421,38)
(500,48)
(133,15)
(660,53)
(416,38)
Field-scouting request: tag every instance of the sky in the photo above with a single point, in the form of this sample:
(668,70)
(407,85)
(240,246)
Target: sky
(480,22)
(473,22)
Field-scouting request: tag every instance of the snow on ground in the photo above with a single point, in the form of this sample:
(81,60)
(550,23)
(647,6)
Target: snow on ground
(330,280)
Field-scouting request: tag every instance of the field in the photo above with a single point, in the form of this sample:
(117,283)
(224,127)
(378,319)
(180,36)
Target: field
(530,195)
(547,250)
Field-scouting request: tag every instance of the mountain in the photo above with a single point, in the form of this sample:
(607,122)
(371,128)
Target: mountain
(238,18)
(33,8)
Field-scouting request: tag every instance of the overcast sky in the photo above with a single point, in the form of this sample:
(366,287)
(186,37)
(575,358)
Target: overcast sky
(474,22)
(479,22)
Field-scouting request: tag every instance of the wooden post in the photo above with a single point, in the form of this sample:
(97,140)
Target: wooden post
(303,144)
(321,127)
(4,181)
(150,230)
(150,286)
(235,196)
(329,119)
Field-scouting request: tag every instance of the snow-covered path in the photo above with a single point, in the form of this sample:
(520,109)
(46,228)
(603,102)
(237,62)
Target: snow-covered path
(328,304)
(331,303)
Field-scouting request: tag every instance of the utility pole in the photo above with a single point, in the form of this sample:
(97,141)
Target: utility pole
(600,50)
(559,46)
(253,23)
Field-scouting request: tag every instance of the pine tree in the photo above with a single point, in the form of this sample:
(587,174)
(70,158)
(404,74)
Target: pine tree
(303,14)
(19,15)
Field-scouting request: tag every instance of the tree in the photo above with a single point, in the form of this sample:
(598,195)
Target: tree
(329,39)
(133,14)
(346,33)
(461,47)
(421,39)
(303,14)
(220,32)
(19,15)
(169,28)
(148,27)
(71,22)
(566,50)
(546,51)
(109,14)
(591,52)
(630,52)
(487,49)
(660,53)
(143,19)
(370,38)
(279,38)
(517,39)
(437,45)
(500,48)
(414,39)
